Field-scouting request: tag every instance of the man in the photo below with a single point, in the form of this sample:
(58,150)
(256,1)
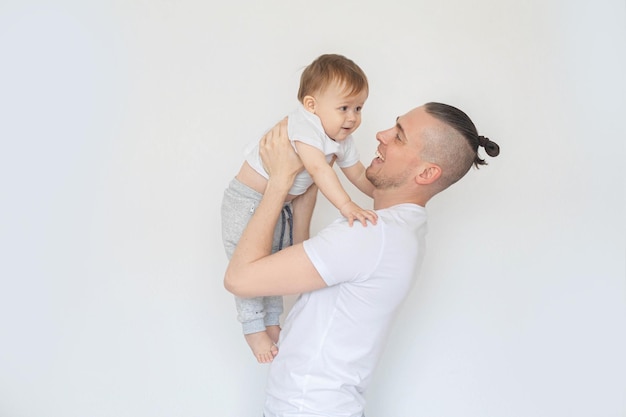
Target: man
(352,279)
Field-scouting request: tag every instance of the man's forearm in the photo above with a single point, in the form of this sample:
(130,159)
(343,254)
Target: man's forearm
(256,240)
(282,164)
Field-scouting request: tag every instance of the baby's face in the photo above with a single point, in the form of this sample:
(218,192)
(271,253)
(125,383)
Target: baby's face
(340,114)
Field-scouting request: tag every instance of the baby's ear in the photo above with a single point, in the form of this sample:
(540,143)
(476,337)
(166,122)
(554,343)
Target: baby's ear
(309,103)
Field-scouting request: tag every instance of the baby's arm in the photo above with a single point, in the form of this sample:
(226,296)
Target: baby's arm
(327,181)
(356,175)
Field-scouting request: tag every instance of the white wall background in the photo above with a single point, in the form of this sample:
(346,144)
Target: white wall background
(121,122)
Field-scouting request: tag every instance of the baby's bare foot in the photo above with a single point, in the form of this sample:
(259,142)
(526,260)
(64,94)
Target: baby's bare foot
(262,346)
(273,332)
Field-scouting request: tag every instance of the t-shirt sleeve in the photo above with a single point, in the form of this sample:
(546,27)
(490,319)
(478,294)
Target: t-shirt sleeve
(306,133)
(341,253)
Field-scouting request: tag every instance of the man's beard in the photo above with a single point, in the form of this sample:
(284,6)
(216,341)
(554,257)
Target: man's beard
(383,183)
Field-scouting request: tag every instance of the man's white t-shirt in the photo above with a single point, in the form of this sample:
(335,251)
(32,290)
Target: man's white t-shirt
(333,337)
(306,127)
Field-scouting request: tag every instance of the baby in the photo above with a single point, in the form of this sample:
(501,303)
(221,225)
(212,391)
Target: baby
(332,92)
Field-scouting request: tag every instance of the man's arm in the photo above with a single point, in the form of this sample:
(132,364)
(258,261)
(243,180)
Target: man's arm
(252,270)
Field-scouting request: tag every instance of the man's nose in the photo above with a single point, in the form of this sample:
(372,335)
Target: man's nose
(382,136)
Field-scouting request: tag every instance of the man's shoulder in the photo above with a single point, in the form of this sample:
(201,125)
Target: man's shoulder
(402,218)
(340,235)
(402,213)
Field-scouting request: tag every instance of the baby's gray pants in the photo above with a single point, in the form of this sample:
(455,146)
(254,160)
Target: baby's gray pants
(238,205)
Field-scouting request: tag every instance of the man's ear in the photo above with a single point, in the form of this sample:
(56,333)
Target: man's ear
(429,174)
(309,103)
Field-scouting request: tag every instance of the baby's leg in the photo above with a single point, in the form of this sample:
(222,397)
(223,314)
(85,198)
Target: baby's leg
(262,346)
(274,333)
(273,307)
(251,314)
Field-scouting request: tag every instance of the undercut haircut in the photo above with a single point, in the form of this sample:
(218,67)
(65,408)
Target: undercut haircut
(456,149)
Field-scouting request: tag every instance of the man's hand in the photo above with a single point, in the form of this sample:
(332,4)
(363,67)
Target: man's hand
(279,158)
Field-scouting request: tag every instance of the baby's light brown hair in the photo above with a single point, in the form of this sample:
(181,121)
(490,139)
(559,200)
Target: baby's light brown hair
(330,68)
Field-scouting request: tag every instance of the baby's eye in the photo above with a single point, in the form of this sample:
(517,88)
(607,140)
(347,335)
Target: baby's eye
(358,109)
(343,108)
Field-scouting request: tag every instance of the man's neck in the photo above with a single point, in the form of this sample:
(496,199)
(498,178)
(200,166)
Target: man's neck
(392,197)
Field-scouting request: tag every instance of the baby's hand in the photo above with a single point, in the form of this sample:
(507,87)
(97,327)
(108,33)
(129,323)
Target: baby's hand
(353,212)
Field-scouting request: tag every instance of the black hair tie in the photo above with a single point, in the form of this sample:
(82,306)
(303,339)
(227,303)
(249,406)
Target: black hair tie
(491,148)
